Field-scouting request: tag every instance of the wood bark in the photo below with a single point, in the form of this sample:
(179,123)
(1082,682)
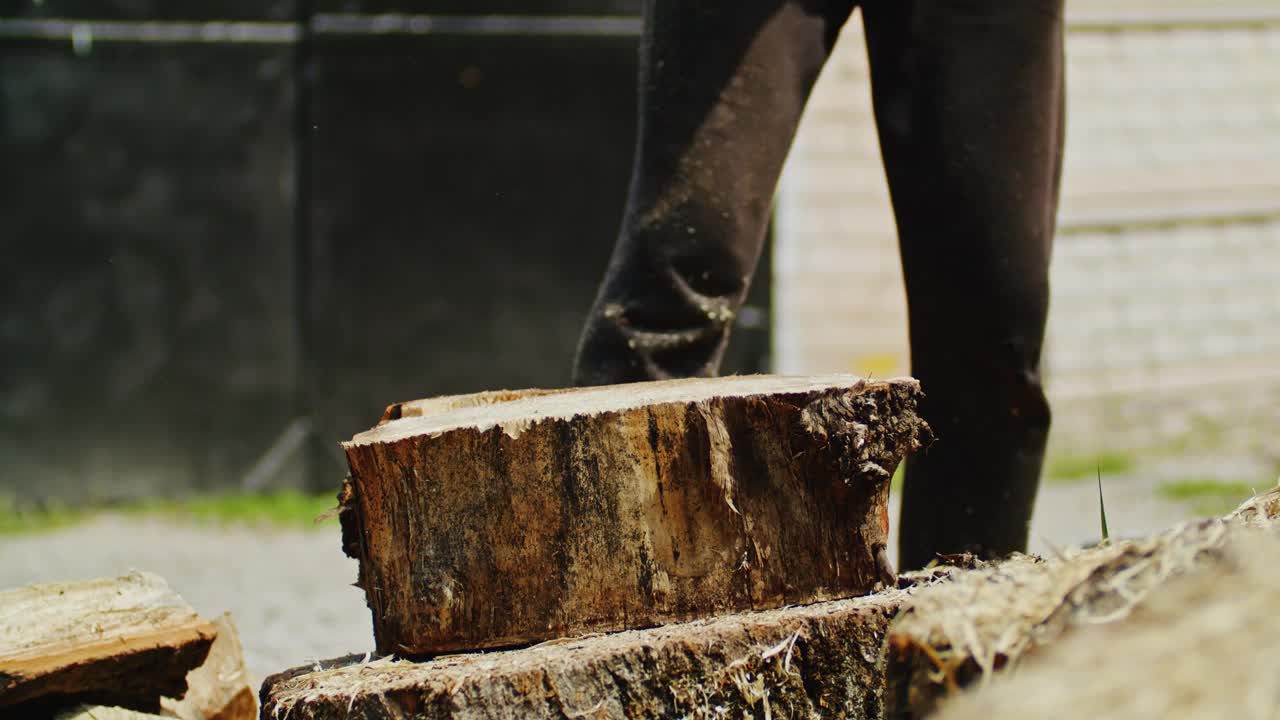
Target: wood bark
(499,519)
(124,641)
(820,660)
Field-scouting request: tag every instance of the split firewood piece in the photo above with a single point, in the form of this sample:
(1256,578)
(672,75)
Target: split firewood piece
(500,519)
(124,641)
(820,660)
(219,689)
(987,620)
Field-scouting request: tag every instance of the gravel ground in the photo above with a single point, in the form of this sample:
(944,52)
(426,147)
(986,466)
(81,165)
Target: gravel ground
(290,592)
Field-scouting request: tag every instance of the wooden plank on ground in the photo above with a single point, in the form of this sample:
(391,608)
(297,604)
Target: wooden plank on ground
(123,641)
(498,519)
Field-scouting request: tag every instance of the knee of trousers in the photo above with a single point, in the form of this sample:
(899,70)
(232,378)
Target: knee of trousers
(647,327)
(667,283)
(1004,401)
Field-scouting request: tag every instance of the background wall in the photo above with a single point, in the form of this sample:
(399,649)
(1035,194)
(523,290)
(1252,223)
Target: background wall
(232,234)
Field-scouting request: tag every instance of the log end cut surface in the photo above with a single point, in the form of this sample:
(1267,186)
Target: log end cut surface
(516,410)
(508,518)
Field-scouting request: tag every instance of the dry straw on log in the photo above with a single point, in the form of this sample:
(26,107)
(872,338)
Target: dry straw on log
(987,620)
(1206,646)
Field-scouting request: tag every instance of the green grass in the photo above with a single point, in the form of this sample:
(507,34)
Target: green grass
(895,483)
(288,508)
(285,509)
(1102,513)
(15,520)
(1209,496)
(1071,468)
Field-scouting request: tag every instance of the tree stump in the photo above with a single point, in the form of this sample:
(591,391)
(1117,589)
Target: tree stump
(501,519)
(820,660)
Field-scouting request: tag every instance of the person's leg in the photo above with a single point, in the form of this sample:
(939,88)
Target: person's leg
(722,87)
(968,101)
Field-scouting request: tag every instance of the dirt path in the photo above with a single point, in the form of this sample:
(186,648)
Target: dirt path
(290,591)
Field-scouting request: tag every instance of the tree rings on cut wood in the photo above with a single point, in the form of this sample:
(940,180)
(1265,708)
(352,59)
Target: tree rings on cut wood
(500,519)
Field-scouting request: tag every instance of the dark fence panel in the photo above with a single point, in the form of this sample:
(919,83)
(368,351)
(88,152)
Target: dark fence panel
(482,7)
(148,323)
(240,10)
(225,256)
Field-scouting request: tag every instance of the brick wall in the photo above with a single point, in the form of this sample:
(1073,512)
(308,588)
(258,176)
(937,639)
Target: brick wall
(1165,302)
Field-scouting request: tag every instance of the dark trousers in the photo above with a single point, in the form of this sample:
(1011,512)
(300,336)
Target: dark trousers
(968,101)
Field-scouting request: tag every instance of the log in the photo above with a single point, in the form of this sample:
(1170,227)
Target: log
(986,621)
(124,641)
(819,660)
(502,519)
(1205,646)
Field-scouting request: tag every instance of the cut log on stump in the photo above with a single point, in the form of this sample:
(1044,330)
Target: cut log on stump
(125,641)
(987,620)
(821,660)
(494,520)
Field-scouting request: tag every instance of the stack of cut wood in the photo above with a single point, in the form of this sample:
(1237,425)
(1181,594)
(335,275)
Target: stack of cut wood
(1190,631)
(703,549)
(660,512)
(125,647)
